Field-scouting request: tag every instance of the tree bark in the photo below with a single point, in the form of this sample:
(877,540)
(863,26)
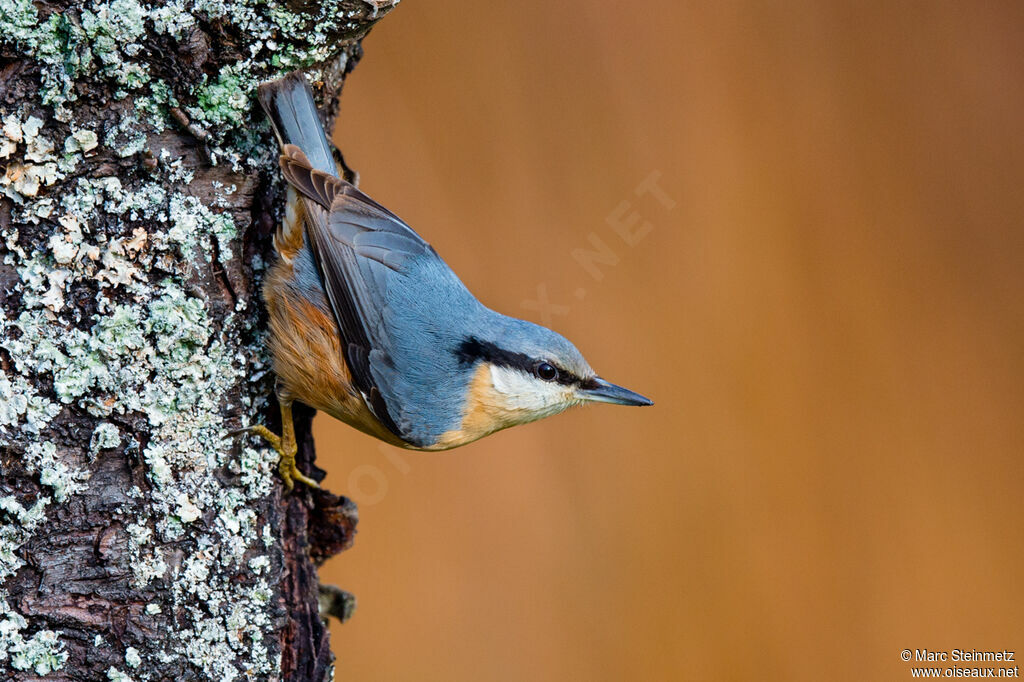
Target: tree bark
(139,190)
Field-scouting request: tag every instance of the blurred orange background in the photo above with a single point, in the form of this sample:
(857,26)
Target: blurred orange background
(827,307)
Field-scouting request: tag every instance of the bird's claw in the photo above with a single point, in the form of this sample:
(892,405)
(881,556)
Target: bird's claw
(290,472)
(286,466)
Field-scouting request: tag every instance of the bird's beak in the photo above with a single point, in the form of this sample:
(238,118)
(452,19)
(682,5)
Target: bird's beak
(602,391)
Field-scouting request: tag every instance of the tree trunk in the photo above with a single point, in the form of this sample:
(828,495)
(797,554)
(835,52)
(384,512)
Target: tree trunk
(138,193)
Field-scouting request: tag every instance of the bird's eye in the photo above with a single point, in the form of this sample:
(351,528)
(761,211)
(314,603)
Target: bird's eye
(546,372)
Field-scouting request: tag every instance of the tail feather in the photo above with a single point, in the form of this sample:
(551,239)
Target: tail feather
(312,183)
(289,103)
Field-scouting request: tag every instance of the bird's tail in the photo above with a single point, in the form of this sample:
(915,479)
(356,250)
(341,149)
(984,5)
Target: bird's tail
(289,103)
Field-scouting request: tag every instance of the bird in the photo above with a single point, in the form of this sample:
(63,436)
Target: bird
(368,324)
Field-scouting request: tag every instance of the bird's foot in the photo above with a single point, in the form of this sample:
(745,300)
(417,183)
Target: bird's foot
(286,448)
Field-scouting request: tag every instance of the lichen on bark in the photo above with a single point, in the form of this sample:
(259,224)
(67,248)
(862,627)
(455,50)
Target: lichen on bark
(137,189)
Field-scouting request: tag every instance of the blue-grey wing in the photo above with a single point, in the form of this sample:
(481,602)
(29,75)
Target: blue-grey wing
(364,254)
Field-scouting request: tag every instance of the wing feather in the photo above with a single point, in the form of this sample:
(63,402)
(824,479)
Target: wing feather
(358,245)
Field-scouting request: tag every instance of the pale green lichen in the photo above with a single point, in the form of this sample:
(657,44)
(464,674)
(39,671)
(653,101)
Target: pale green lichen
(18,398)
(17,525)
(104,41)
(115,675)
(39,168)
(224,100)
(157,355)
(127,137)
(105,437)
(190,218)
(190,225)
(81,141)
(55,471)
(40,652)
(14,396)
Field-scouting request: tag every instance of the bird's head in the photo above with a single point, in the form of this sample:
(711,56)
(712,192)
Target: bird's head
(523,372)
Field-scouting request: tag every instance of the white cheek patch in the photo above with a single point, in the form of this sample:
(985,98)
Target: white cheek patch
(520,391)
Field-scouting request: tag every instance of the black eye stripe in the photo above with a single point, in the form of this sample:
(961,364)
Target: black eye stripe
(473,349)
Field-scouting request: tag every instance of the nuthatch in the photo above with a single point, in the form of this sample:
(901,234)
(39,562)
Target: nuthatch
(369,325)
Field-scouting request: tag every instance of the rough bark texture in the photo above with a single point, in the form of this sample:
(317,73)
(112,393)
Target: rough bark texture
(138,192)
